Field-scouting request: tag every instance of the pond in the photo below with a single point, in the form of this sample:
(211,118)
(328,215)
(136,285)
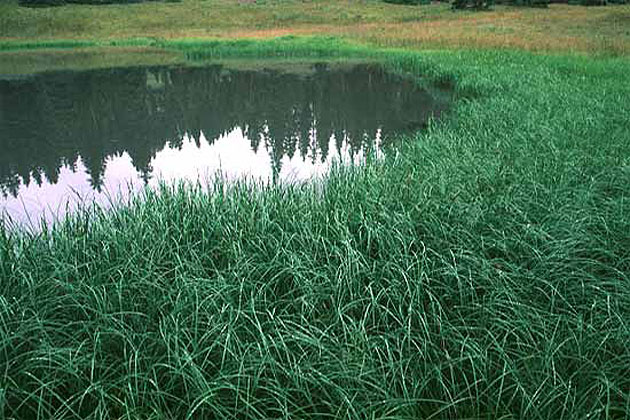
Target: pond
(86,136)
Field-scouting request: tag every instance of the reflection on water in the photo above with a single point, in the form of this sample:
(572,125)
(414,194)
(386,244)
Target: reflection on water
(67,137)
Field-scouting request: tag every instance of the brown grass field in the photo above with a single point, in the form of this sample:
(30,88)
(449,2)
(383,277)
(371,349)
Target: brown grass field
(560,28)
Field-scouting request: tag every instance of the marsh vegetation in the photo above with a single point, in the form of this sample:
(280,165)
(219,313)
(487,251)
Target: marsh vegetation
(483,272)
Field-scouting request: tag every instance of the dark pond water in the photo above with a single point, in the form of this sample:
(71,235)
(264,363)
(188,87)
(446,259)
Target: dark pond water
(70,137)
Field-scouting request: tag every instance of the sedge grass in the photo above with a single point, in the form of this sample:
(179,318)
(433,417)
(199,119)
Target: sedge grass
(482,272)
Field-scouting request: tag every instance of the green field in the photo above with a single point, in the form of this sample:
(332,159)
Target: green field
(560,28)
(483,272)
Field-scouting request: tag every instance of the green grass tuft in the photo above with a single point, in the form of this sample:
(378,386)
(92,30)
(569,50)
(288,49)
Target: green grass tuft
(281,47)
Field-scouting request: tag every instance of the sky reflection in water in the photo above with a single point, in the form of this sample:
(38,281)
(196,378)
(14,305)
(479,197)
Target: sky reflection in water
(94,136)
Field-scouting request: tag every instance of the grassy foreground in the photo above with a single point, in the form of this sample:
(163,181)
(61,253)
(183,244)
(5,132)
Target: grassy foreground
(482,272)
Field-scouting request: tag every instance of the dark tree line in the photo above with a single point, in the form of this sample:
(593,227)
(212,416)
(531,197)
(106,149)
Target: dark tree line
(53,119)
(486,4)
(45,3)
(456,4)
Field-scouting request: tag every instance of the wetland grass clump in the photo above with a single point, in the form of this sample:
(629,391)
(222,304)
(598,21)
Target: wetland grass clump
(325,47)
(481,272)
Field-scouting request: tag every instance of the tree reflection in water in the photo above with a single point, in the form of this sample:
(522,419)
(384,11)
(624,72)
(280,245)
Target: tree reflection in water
(62,120)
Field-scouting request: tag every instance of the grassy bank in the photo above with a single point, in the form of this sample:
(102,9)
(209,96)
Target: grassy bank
(559,28)
(482,272)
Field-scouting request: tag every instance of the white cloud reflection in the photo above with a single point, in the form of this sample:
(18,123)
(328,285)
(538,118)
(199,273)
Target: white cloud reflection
(231,155)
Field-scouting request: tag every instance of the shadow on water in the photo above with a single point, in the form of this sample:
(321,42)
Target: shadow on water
(67,134)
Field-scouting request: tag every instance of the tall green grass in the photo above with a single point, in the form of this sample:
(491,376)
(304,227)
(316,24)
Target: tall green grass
(281,47)
(482,272)
(44,44)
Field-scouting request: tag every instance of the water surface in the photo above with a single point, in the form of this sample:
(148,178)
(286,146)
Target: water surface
(83,136)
